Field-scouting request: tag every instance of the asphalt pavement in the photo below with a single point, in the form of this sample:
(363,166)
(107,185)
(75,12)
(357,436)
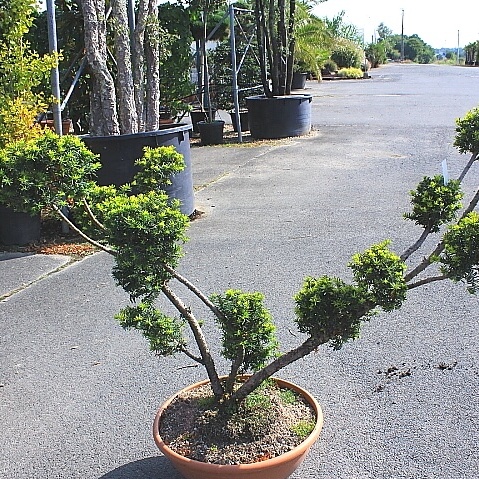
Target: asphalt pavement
(78,394)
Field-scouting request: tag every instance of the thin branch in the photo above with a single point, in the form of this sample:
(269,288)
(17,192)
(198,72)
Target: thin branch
(428,260)
(414,247)
(234,371)
(424,281)
(307,347)
(199,338)
(83,235)
(467,167)
(192,356)
(92,215)
(216,311)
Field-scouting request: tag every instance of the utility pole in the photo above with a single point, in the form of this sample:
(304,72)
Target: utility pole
(402,35)
(458,48)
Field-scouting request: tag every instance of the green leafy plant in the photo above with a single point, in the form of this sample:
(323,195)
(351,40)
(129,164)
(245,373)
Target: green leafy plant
(350,72)
(145,232)
(23,73)
(303,428)
(435,202)
(467,132)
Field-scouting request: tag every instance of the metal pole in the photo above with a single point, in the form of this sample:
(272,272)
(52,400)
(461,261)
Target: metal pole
(55,76)
(131,21)
(402,36)
(235,72)
(458,48)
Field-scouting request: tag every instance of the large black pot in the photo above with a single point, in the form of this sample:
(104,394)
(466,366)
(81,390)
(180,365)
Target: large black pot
(18,228)
(119,153)
(280,116)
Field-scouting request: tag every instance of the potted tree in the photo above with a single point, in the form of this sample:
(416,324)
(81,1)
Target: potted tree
(24,75)
(206,24)
(277,113)
(144,234)
(125,107)
(247,66)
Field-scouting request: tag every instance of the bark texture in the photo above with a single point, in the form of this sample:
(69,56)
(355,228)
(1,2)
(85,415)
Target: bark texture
(103,114)
(124,80)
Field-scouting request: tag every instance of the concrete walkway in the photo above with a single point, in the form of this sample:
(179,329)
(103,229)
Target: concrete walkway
(78,394)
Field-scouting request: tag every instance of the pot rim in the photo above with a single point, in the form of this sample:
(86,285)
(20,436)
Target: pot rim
(293,96)
(300,449)
(175,128)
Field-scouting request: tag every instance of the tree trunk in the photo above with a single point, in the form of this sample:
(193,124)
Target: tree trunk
(152,56)
(139,61)
(124,81)
(103,113)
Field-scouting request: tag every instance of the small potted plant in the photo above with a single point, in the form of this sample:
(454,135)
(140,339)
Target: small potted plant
(203,29)
(248,77)
(144,233)
(23,84)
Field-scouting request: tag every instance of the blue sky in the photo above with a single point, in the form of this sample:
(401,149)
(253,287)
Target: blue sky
(437,23)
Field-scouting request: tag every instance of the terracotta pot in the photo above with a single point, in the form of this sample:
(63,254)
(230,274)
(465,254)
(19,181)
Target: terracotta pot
(279,467)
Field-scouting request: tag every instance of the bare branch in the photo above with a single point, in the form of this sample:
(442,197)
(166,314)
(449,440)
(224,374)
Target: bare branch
(426,232)
(424,281)
(81,233)
(199,338)
(217,312)
(92,215)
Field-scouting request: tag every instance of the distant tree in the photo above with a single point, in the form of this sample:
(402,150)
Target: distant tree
(415,49)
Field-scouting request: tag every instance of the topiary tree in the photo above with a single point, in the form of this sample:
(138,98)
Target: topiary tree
(145,232)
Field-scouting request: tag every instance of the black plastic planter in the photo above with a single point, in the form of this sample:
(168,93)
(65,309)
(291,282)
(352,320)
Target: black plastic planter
(211,132)
(119,153)
(243,120)
(279,117)
(200,115)
(299,81)
(18,228)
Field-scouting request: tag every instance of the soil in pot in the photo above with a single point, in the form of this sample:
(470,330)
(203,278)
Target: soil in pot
(270,422)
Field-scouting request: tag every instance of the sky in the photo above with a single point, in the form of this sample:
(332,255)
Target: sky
(437,23)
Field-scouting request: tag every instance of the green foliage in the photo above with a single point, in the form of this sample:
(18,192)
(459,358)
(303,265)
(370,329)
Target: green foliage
(96,197)
(329,66)
(331,309)
(303,428)
(175,83)
(313,41)
(460,259)
(70,34)
(467,132)
(147,231)
(156,167)
(352,73)
(347,55)
(45,171)
(381,273)
(249,75)
(22,73)
(415,49)
(376,53)
(247,328)
(435,203)
(163,333)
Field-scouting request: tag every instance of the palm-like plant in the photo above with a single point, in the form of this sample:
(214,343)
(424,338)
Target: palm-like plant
(314,41)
